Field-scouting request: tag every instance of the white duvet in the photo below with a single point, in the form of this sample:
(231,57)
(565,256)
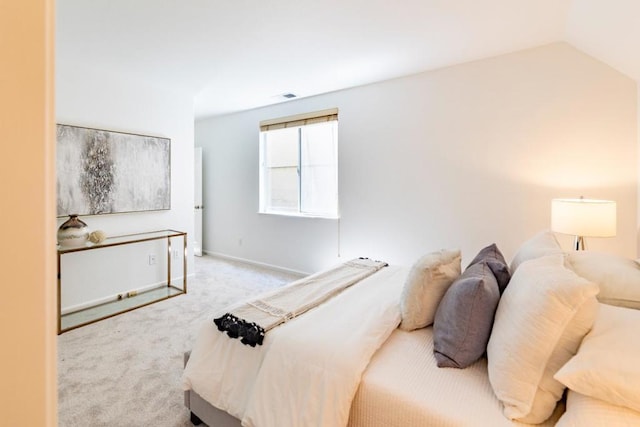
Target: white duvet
(308,370)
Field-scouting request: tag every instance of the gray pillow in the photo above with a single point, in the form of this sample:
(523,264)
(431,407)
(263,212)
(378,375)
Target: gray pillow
(464,318)
(496,262)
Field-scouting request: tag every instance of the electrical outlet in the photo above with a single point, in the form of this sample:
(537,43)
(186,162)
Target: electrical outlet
(152,259)
(176,254)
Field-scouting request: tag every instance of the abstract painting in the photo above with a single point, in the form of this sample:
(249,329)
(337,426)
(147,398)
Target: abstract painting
(102,172)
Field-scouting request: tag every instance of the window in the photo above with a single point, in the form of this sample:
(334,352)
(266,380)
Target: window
(299,165)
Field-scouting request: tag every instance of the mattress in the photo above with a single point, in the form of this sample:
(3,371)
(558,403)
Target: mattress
(403,386)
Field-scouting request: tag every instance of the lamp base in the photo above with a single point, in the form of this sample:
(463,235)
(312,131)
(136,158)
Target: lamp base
(578,243)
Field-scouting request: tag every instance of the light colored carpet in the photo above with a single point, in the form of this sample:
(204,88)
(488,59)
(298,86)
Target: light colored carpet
(125,371)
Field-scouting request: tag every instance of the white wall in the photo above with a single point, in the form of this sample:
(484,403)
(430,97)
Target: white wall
(459,157)
(92,98)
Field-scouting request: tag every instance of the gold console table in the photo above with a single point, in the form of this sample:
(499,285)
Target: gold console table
(93,314)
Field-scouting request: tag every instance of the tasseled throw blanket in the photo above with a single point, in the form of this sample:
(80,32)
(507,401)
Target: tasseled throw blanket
(250,321)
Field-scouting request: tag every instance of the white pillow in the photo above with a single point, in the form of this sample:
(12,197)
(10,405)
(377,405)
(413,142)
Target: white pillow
(426,284)
(542,316)
(618,277)
(607,366)
(542,244)
(585,411)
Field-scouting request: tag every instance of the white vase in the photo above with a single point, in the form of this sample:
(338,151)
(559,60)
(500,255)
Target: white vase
(73,232)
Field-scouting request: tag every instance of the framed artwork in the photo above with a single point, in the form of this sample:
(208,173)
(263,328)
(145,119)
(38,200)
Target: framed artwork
(102,172)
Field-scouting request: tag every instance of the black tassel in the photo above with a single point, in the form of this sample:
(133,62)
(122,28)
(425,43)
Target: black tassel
(250,333)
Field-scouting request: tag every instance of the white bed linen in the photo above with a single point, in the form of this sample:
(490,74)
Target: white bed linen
(308,370)
(403,386)
(585,411)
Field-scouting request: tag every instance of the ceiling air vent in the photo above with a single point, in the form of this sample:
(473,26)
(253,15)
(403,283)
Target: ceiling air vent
(288,95)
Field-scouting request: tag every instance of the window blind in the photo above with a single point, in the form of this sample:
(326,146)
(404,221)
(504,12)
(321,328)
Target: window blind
(299,120)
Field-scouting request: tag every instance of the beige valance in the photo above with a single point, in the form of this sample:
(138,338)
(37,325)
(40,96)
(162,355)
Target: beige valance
(299,120)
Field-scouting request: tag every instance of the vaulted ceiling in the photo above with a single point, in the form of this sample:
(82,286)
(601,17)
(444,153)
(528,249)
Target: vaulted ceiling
(241,54)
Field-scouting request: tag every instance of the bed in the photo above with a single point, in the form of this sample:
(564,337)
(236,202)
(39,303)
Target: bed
(402,386)
(355,367)
(332,343)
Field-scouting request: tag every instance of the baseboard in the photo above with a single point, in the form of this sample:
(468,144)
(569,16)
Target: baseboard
(257,263)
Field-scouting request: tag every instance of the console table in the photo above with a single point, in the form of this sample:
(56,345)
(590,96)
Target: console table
(130,302)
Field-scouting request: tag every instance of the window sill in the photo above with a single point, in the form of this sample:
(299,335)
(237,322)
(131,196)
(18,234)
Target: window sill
(300,215)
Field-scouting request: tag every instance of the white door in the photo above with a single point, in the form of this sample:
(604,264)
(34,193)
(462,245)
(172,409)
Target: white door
(197,214)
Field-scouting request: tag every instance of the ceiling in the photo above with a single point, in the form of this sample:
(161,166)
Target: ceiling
(233,55)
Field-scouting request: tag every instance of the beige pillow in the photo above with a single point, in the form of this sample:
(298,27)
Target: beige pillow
(607,366)
(542,244)
(542,316)
(618,277)
(585,411)
(426,284)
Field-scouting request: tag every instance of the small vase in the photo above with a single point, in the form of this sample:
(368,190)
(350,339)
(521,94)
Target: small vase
(73,232)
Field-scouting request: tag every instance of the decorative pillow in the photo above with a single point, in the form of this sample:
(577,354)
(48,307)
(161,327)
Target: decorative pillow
(585,411)
(495,260)
(542,244)
(607,364)
(426,284)
(464,318)
(542,316)
(618,277)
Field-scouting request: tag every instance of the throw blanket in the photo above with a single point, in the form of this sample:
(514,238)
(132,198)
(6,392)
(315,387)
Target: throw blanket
(253,319)
(308,370)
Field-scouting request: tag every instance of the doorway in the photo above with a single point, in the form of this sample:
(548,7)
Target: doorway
(198,207)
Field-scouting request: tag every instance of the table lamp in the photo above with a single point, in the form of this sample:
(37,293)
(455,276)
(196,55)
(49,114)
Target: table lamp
(583,218)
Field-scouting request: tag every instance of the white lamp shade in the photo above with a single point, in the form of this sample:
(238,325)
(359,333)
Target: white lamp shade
(584,217)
